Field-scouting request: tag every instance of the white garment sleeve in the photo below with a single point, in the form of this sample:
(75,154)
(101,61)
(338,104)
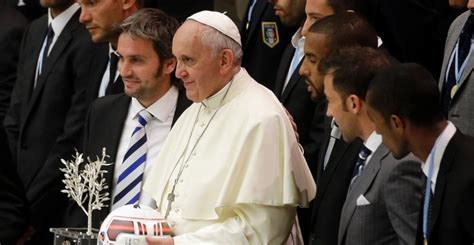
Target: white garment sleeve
(247,224)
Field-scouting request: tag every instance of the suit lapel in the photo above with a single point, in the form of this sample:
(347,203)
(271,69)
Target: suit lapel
(115,120)
(450,45)
(446,163)
(283,70)
(39,33)
(294,80)
(56,52)
(361,186)
(101,61)
(467,71)
(257,11)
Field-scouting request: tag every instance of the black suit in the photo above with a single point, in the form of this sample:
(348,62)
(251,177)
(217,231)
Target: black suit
(332,183)
(13,210)
(31,9)
(104,126)
(100,63)
(308,116)
(45,124)
(452,210)
(412,30)
(260,59)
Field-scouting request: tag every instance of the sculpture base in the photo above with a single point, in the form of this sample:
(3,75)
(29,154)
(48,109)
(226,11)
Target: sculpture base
(74,236)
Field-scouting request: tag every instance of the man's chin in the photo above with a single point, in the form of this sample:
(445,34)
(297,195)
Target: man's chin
(315,97)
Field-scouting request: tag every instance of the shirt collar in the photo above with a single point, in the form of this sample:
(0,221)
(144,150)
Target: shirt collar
(373,142)
(439,147)
(214,100)
(298,41)
(62,19)
(111,50)
(161,108)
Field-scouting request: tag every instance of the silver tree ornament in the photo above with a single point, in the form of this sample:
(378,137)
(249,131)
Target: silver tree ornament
(86,185)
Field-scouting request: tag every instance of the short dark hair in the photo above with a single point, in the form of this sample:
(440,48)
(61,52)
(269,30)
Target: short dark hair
(346,29)
(155,25)
(408,91)
(339,6)
(353,68)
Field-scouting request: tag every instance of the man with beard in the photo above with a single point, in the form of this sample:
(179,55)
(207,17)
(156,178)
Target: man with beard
(102,19)
(333,166)
(46,117)
(403,103)
(146,66)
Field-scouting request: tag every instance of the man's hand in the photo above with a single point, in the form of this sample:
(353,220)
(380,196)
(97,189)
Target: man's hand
(159,240)
(293,124)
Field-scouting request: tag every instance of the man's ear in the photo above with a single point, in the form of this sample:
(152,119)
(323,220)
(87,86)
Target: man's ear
(129,5)
(169,65)
(398,124)
(354,103)
(227,59)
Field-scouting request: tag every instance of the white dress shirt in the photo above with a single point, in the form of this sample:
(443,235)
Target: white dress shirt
(439,147)
(156,131)
(58,23)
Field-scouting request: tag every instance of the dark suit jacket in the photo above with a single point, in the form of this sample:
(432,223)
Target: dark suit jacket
(45,124)
(412,30)
(31,9)
(332,184)
(308,115)
(460,109)
(100,63)
(10,40)
(261,60)
(103,128)
(452,210)
(13,210)
(392,189)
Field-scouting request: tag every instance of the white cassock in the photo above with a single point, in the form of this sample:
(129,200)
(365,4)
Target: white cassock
(241,175)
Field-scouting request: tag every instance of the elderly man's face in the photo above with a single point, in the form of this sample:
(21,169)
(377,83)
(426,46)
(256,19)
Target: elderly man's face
(197,65)
(101,17)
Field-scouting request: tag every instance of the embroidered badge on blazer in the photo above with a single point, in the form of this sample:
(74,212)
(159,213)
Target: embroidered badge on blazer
(270,34)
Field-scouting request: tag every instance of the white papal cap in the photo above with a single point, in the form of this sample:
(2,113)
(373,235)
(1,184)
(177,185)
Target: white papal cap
(218,21)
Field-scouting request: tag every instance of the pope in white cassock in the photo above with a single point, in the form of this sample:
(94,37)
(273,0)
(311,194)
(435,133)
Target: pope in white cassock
(230,171)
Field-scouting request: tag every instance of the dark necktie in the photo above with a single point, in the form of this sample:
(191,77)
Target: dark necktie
(363,155)
(430,203)
(464,46)
(49,40)
(112,71)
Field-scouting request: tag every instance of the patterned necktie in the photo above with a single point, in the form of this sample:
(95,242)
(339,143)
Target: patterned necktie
(463,48)
(130,179)
(363,155)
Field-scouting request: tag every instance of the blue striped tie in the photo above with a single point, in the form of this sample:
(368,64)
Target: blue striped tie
(127,190)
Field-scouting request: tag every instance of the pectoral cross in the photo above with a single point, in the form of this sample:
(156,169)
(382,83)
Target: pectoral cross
(170,199)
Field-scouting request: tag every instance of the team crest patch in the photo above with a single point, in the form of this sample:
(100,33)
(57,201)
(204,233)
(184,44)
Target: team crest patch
(270,34)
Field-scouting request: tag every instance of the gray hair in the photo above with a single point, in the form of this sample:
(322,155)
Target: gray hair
(217,41)
(155,25)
